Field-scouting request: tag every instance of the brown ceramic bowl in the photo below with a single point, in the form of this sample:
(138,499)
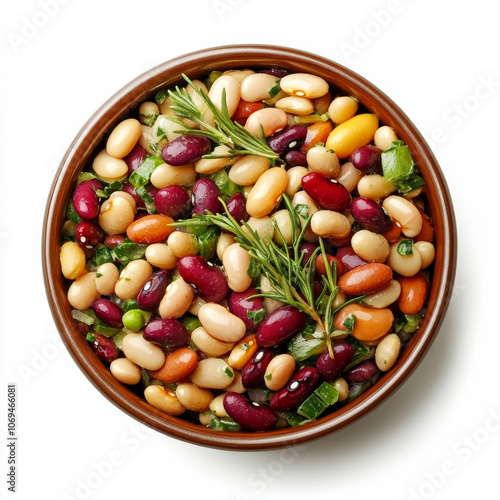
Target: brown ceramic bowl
(194,65)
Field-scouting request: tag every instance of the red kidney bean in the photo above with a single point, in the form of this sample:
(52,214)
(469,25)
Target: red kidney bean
(239,304)
(130,189)
(371,215)
(113,240)
(275,71)
(252,374)
(167,332)
(367,158)
(206,197)
(173,201)
(349,258)
(105,348)
(296,159)
(88,234)
(280,325)
(331,368)
(185,149)
(307,249)
(207,278)
(251,416)
(326,192)
(363,372)
(288,138)
(107,311)
(300,386)
(236,206)
(135,158)
(153,290)
(85,199)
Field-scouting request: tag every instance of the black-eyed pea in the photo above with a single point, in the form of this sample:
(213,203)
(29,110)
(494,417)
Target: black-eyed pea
(384,137)
(256,87)
(272,120)
(324,160)
(279,371)
(327,223)
(177,299)
(163,399)
(349,176)
(384,297)
(168,175)
(342,388)
(217,406)
(342,108)
(225,240)
(194,308)
(109,168)
(132,278)
(387,352)
(370,246)
(295,105)
(263,226)
(126,196)
(142,352)
(116,215)
(236,261)
(427,253)
(375,187)
(182,244)
(283,232)
(247,169)
(294,183)
(107,275)
(212,373)
(243,352)
(123,138)
(148,113)
(72,259)
(209,345)
(193,398)
(304,85)
(405,213)
(406,265)
(125,371)
(82,292)
(220,323)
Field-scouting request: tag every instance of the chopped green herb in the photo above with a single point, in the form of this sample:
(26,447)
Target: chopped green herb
(71,213)
(405,247)
(254,270)
(275,89)
(350,322)
(103,254)
(223,424)
(148,120)
(98,275)
(245,346)
(90,337)
(256,316)
(128,251)
(142,175)
(161,96)
(312,118)
(86,317)
(226,186)
(229,372)
(207,241)
(302,209)
(269,376)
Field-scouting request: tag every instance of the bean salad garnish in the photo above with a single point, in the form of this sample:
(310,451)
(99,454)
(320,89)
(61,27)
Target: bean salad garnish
(250,250)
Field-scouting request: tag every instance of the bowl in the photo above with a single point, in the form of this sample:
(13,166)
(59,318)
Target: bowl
(194,65)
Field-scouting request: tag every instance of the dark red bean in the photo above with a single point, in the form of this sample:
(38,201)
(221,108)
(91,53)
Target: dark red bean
(135,158)
(308,250)
(206,197)
(288,138)
(207,278)
(371,215)
(236,207)
(367,158)
(173,201)
(185,149)
(85,199)
(252,374)
(296,158)
(88,234)
(251,416)
(349,258)
(300,386)
(239,304)
(130,189)
(363,372)
(326,192)
(167,332)
(330,368)
(105,348)
(280,325)
(113,240)
(153,291)
(107,311)
(277,72)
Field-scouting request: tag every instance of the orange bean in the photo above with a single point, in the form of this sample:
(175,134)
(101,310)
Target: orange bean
(392,235)
(367,278)
(317,132)
(245,109)
(321,268)
(371,324)
(413,293)
(427,231)
(178,365)
(150,229)
(342,242)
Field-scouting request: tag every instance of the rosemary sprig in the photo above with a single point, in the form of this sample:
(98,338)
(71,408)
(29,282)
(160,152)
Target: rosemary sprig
(226,132)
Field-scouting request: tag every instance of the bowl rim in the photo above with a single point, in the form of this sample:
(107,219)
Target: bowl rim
(195,64)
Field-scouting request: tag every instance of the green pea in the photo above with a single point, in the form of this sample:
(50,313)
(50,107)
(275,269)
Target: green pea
(133,320)
(190,322)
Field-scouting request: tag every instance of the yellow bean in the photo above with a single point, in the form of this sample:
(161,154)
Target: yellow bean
(72,258)
(247,170)
(375,187)
(217,406)
(123,138)
(163,399)
(342,387)
(242,352)
(427,253)
(342,108)
(267,192)
(109,168)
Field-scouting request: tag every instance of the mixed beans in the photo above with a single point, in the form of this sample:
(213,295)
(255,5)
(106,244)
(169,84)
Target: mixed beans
(177,313)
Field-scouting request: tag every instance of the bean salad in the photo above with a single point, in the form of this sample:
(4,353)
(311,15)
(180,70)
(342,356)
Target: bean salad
(250,250)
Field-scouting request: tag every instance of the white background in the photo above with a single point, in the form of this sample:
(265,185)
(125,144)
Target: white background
(438,436)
